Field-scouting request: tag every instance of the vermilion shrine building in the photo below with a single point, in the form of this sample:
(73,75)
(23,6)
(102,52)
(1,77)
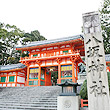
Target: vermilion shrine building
(13,75)
(58,56)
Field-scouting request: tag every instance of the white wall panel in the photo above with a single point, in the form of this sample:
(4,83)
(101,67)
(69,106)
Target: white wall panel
(4,85)
(0,85)
(18,85)
(20,79)
(8,85)
(13,85)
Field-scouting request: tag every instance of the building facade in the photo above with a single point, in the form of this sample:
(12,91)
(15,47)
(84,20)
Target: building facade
(13,75)
(47,60)
(60,55)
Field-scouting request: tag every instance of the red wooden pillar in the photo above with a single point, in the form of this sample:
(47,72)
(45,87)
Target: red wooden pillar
(6,79)
(16,79)
(73,59)
(27,76)
(59,70)
(73,72)
(76,71)
(39,76)
(59,73)
(45,78)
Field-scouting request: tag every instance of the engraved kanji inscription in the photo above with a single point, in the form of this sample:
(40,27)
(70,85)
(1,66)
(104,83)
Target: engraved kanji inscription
(96,67)
(91,24)
(97,88)
(93,52)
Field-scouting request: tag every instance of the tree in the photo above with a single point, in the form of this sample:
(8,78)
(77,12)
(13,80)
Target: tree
(33,36)
(105,24)
(9,37)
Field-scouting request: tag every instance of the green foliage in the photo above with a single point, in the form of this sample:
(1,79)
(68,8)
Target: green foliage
(109,80)
(33,36)
(25,54)
(10,37)
(105,23)
(83,91)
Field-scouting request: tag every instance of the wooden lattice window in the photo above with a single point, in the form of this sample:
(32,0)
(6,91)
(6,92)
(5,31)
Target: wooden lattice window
(11,78)
(35,55)
(65,51)
(66,71)
(33,73)
(3,79)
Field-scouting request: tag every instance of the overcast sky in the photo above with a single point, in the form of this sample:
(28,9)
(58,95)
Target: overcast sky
(53,18)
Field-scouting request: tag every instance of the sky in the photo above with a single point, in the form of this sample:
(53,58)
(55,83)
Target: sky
(52,18)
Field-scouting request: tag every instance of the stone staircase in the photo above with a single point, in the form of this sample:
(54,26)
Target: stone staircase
(29,98)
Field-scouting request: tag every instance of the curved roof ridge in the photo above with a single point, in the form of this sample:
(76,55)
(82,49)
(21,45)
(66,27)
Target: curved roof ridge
(37,43)
(107,57)
(12,66)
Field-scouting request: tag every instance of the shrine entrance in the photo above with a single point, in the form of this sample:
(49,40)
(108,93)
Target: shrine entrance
(51,75)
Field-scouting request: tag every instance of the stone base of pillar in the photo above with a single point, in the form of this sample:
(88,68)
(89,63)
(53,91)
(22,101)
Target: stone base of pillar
(68,103)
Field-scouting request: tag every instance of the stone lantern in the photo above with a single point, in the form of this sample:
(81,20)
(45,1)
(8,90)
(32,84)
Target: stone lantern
(69,98)
(69,88)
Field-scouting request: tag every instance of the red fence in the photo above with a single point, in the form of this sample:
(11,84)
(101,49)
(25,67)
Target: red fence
(83,103)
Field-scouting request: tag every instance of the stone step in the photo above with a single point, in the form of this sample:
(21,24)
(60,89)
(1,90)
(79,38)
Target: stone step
(6,102)
(28,105)
(32,108)
(29,98)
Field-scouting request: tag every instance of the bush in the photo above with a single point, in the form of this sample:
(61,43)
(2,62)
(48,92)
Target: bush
(83,91)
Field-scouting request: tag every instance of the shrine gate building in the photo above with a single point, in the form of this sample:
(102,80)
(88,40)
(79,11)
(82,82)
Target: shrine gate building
(59,55)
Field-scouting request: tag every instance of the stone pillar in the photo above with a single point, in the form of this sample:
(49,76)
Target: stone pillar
(97,81)
(68,103)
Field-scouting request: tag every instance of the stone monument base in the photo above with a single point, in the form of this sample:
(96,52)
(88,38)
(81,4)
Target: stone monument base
(68,103)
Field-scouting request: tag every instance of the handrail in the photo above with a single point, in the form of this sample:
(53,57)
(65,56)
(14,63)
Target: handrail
(82,103)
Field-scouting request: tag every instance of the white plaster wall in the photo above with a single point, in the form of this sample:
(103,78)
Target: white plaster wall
(4,85)
(67,45)
(31,65)
(57,53)
(43,63)
(69,51)
(13,85)
(36,65)
(55,63)
(8,85)
(68,60)
(63,61)
(20,73)
(0,85)
(61,52)
(20,79)
(38,55)
(15,79)
(22,85)
(49,63)
(18,85)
